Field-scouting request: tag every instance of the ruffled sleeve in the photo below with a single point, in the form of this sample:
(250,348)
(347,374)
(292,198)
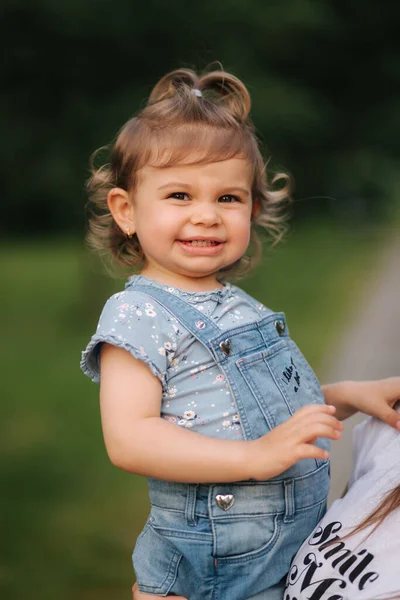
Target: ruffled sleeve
(135,322)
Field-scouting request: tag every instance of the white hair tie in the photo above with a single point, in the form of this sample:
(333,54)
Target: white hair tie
(197,92)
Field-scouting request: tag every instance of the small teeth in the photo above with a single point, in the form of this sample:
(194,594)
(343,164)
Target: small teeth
(200,243)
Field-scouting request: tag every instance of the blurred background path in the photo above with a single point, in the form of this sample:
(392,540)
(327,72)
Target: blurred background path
(369,348)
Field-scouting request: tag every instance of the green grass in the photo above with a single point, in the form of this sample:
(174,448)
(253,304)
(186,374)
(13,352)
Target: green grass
(69,518)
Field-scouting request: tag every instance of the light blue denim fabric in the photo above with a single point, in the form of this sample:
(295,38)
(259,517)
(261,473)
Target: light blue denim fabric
(192,546)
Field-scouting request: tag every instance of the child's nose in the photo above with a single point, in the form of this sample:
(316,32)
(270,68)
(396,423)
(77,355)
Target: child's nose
(206,214)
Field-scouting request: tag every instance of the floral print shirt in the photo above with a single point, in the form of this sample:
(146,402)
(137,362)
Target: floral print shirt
(195,394)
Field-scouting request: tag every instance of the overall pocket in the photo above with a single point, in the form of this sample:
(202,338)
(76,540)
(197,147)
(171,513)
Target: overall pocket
(155,561)
(246,539)
(282,381)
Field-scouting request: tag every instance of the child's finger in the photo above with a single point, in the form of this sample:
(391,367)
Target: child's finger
(308,419)
(310,451)
(319,430)
(327,420)
(314,409)
(310,413)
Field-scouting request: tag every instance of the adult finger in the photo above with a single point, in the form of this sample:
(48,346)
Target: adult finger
(392,393)
(390,416)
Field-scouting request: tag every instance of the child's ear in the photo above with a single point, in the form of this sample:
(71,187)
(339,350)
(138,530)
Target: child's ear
(255,209)
(121,208)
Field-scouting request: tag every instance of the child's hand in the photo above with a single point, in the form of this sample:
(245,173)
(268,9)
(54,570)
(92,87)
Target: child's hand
(374,398)
(294,440)
(137,595)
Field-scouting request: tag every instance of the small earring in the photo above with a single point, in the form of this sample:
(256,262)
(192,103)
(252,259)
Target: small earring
(128,233)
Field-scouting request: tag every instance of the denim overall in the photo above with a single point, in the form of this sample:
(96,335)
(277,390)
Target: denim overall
(233,541)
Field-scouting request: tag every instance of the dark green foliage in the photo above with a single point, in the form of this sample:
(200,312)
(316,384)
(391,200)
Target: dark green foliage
(323,77)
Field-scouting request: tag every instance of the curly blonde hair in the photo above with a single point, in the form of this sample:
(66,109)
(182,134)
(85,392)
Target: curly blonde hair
(180,126)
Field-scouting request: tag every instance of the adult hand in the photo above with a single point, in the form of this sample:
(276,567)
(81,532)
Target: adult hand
(374,398)
(138,595)
(377,398)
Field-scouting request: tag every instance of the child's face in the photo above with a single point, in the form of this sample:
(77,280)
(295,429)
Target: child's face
(193,220)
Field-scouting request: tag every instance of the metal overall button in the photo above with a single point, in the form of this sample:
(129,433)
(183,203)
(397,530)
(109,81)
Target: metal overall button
(280,326)
(225,501)
(226,346)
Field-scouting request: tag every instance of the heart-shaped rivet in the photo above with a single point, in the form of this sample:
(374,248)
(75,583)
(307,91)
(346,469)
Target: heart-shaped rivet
(226,346)
(225,501)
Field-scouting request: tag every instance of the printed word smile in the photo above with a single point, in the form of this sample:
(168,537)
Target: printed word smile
(351,568)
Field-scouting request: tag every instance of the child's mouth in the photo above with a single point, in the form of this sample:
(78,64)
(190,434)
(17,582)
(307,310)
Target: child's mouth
(200,243)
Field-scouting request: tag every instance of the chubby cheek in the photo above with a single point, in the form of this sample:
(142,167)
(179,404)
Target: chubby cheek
(242,233)
(243,243)
(157,227)
(163,225)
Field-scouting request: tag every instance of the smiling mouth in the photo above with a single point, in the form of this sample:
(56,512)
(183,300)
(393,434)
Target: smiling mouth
(200,243)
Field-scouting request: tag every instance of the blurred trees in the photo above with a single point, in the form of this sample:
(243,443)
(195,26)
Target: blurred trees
(323,74)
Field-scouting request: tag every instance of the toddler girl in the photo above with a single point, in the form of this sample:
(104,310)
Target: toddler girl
(202,389)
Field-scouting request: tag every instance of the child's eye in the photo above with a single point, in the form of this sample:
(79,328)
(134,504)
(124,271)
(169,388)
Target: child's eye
(179,195)
(228,198)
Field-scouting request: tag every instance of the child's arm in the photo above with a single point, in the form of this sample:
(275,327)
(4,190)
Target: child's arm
(375,398)
(140,441)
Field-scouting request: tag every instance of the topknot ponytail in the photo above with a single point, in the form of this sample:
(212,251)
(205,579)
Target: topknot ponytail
(172,83)
(217,87)
(228,90)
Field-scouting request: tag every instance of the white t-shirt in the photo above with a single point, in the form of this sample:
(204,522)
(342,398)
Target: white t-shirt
(365,566)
